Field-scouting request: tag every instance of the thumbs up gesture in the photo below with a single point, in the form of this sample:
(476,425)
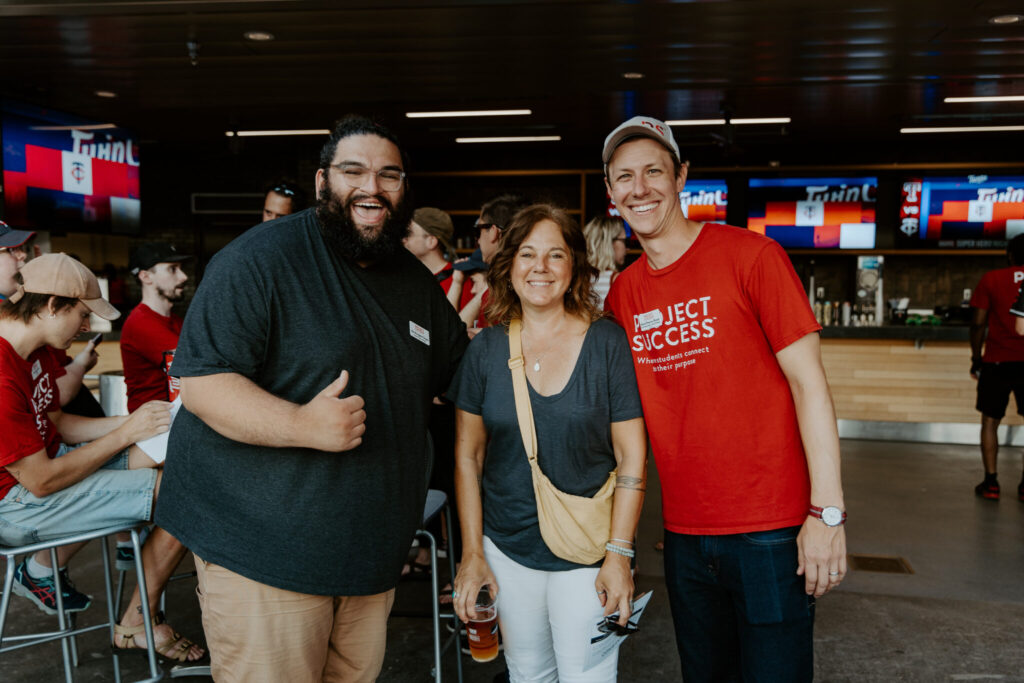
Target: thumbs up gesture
(333,423)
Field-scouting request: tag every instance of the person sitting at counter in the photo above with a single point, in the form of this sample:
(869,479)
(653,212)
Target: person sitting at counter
(50,488)
(1000,368)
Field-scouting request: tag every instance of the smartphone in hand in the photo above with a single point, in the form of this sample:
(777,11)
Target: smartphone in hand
(97,339)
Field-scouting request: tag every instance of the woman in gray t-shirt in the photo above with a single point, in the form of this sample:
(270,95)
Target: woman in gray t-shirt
(588,421)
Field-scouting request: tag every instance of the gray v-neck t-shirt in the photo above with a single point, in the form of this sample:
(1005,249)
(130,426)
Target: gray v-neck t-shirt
(574,446)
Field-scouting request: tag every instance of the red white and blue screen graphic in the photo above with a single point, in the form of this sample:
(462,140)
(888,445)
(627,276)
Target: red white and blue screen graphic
(824,213)
(705,200)
(973,211)
(62,173)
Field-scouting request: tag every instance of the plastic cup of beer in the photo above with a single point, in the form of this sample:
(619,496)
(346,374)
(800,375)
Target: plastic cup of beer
(483,631)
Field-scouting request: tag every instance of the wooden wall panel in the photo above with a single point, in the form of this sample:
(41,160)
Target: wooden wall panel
(895,381)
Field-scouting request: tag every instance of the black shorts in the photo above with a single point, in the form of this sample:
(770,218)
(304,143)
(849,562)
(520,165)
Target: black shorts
(996,382)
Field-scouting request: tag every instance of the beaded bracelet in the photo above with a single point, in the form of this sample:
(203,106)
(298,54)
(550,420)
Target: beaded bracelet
(621,540)
(619,550)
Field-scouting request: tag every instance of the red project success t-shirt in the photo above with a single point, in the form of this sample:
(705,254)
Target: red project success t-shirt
(997,293)
(148,341)
(28,391)
(704,332)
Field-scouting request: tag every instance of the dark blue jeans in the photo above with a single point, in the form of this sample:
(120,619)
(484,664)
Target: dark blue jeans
(739,609)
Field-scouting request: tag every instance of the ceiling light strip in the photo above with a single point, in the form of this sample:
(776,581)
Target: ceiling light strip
(275,133)
(457,114)
(963,129)
(998,98)
(737,122)
(527,138)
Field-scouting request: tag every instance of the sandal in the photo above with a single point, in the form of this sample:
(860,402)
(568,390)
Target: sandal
(176,647)
(445,598)
(417,571)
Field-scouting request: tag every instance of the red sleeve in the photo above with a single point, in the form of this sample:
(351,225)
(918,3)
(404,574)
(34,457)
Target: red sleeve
(981,296)
(18,425)
(778,299)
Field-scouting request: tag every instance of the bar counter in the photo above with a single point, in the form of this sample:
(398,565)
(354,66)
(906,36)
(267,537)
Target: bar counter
(912,373)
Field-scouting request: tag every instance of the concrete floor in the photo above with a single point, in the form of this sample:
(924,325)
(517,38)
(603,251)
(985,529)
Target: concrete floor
(958,617)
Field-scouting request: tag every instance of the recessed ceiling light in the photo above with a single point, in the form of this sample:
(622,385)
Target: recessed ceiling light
(963,129)
(455,114)
(105,93)
(997,98)
(738,122)
(258,36)
(275,133)
(1004,19)
(527,138)
(633,75)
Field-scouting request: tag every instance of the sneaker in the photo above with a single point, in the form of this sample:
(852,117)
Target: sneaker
(40,591)
(124,559)
(987,489)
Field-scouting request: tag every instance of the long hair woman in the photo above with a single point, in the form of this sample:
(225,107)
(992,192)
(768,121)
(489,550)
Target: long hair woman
(606,251)
(588,422)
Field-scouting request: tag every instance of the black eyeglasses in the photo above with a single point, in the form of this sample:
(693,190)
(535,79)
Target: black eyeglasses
(389,179)
(488,226)
(611,625)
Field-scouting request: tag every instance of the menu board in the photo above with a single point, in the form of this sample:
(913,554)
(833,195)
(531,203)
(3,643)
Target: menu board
(823,213)
(976,211)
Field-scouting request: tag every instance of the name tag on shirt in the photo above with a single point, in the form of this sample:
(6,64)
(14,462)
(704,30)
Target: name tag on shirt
(37,369)
(650,320)
(419,333)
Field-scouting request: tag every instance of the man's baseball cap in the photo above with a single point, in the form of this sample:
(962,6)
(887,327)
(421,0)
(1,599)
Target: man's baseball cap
(11,238)
(437,223)
(474,263)
(152,253)
(640,126)
(61,275)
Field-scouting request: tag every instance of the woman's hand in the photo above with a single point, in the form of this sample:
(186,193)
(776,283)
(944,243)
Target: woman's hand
(614,586)
(474,573)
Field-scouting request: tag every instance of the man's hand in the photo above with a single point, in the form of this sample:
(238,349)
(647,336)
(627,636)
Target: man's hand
(87,357)
(975,367)
(149,419)
(821,554)
(333,423)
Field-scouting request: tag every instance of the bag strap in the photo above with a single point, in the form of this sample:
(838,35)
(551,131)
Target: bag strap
(524,411)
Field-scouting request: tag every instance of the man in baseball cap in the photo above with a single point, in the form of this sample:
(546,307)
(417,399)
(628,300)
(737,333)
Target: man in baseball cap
(12,256)
(150,333)
(762,505)
(430,240)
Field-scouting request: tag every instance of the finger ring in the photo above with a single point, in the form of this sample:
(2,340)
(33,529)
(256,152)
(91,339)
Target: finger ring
(833,573)
(455,594)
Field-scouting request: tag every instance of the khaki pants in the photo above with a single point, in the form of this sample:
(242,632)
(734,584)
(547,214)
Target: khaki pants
(260,634)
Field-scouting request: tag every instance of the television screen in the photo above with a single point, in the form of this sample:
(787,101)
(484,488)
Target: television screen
(825,213)
(702,200)
(62,172)
(705,200)
(978,211)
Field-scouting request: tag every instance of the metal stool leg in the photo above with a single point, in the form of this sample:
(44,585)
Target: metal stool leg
(451,568)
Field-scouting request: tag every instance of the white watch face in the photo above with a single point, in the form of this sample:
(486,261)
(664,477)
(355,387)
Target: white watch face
(832,516)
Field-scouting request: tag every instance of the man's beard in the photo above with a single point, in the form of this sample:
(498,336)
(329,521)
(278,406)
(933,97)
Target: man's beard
(342,234)
(173,295)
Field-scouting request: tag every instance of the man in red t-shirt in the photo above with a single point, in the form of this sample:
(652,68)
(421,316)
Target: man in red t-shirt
(740,419)
(1000,369)
(430,240)
(150,334)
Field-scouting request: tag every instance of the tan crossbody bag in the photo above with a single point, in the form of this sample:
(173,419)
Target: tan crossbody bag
(575,528)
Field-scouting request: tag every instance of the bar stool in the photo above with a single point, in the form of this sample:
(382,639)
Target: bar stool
(437,502)
(67,631)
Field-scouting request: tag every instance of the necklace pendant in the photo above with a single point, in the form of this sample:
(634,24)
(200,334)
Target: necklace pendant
(536,366)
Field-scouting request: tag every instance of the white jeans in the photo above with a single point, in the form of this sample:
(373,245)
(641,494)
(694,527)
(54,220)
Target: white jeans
(546,618)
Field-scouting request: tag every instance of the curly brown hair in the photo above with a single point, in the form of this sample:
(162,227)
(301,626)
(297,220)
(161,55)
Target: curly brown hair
(580,299)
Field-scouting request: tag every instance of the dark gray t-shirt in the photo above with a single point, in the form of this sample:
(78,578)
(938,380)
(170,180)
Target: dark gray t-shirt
(279,307)
(574,446)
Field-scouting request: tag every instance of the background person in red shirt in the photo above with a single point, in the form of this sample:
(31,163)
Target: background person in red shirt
(1000,368)
(150,334)
(430,240)
(720,327)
